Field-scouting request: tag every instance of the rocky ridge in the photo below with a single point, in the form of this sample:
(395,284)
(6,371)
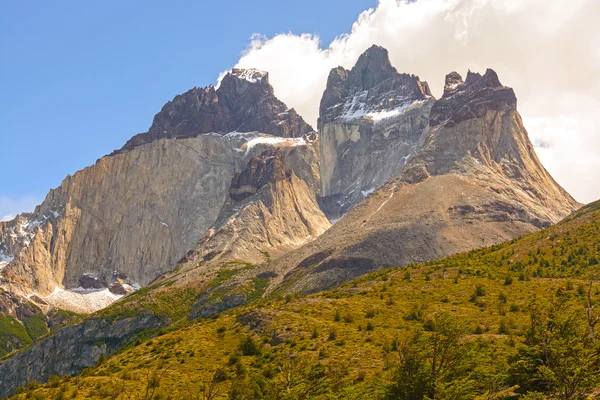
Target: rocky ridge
(435,177)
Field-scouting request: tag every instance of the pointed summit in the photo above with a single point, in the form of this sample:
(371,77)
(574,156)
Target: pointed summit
(371,120)
(372,68)
(472,98)
(453,81)
(373,85)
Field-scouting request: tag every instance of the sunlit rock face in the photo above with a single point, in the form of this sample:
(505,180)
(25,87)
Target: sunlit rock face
(135,213)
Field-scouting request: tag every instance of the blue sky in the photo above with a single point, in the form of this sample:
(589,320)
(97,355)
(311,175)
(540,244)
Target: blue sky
(78,78)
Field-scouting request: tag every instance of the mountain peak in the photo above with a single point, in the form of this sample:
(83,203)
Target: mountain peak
(239,80)
(251,75)
(372,68)
(453,81)
(373,85)
(472,98)
(243,102)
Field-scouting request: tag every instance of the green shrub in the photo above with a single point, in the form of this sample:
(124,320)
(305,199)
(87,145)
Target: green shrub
(249,347)
(36,326)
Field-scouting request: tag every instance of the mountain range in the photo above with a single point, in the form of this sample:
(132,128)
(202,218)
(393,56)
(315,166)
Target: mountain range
(231,198)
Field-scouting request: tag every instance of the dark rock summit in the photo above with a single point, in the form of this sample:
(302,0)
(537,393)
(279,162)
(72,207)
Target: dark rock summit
(244,102)
(372,85)
(471,99)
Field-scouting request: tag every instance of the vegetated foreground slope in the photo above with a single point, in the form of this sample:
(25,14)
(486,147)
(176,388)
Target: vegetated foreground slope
(491,323)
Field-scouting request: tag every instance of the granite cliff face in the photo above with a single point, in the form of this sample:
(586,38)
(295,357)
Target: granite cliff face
(475,181)
(135,213)
(372,119)
(271,209)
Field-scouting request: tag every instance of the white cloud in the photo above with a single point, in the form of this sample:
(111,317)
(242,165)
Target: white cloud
(10,207)
(547,50)
(8,217)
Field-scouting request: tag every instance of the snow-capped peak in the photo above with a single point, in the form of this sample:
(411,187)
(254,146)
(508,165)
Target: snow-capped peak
(250,74)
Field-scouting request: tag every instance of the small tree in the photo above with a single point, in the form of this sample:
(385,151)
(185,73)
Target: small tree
(249,347)
(433,365)
(560,356)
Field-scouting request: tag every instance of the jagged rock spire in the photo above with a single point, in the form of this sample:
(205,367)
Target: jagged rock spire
(373,84)
(472,98)
(372,68)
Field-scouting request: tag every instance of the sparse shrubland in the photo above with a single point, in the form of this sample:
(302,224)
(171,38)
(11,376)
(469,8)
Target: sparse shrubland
(516,320)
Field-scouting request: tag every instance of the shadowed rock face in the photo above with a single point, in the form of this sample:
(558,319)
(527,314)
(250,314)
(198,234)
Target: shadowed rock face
(70,350)
(267,167)
(244,102)
(471,99)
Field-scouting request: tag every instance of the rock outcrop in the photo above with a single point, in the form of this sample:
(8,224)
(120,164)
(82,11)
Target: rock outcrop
(136,213)
(270,211)
(70,350)
(474,182)
(372,119)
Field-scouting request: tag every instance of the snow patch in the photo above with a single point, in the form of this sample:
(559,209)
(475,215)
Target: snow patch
(367,192)
(81,300)
(357,108)
(243,135)
(273,140)
(251,75)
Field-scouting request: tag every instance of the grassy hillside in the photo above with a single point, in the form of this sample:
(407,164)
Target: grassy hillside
(510,321)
